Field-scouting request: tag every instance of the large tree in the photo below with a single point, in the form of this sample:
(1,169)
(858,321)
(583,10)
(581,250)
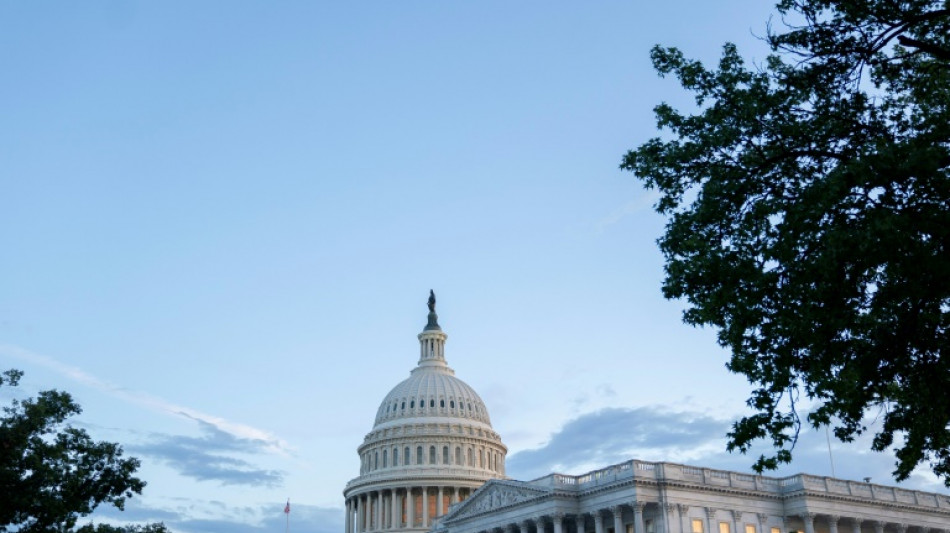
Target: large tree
(808,207)
(51,473)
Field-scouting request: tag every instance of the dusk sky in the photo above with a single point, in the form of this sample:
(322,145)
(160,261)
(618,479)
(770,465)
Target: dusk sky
(220,221)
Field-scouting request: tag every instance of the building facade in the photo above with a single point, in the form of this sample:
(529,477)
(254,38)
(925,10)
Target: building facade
(432,445)
(647,497)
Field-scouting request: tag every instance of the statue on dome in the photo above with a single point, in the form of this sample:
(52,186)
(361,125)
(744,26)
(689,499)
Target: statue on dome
(431,301)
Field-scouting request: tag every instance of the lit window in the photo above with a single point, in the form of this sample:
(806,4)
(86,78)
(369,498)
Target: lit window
(776,530)
(749,528)
(697,525)
(723,527)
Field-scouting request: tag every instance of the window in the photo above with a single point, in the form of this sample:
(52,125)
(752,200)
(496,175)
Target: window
(458,456)
(375,460)
(419,455)
(431,403)
(445,455)
(405,457)
(432,459)
(452,404)
(385,454)
(776,530)
(723,527)
(395,456)
(412,404)
(404,406)
(441,403)
(481,461)
(750,528)
(697,525)
(471,459)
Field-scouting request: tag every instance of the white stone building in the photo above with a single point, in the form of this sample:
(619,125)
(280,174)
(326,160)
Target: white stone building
(432,446)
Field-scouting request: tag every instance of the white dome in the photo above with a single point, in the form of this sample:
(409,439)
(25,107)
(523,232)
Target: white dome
(431,392)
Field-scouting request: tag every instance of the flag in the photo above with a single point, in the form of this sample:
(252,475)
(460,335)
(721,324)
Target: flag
(287,507)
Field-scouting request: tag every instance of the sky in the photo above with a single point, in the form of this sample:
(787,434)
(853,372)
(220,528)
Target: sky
(220,221)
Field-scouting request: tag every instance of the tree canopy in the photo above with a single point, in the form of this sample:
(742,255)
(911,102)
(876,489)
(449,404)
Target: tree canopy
(808,221)
(52,473)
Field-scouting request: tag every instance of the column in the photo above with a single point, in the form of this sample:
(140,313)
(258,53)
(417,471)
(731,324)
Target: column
(455,496)
(510,528)
(736,520)
(711,520)
(346,520)
(809,519)
(360,514)
(393,496)
(425,507)
(439,507)
(668,509)
(579,523)
(379,510)
(618,519)
(638,526)
(410,508)
(763,518)
(855,525)
(685,526)
(833,523)
(878,526)
(558,520)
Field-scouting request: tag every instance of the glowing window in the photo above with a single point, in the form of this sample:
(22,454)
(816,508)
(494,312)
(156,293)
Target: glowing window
(749,528)
(723,527)
(697,525)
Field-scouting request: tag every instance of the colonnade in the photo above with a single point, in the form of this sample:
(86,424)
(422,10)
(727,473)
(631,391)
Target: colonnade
(682,518)
(407,507)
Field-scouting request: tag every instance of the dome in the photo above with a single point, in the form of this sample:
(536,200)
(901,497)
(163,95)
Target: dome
(431,446)
(431,393)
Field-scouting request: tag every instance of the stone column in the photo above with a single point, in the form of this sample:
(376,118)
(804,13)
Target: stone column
(685,526)
(878,526)
(711,520)
(360,513)
(617,511)
(598,522)
(410,509)
(455,495)
(855,525)
(638,526)
(440,507)
(510,528)
(763,518)
(393,500)
(579,524)
(425,507)
(379,510)
(833,523)
(736,519)
(558,520)
(809,519)
(346,519)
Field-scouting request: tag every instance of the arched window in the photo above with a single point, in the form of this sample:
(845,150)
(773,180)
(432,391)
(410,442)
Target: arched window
(419,455)
(481,458)
(405,457)
(441,403)
(385,456)
(452,404)
(403,406)
(412,404)
(376,461)
(458,455)
(431,455)
(395,456)
(431,403)
(470,458)
(445,455)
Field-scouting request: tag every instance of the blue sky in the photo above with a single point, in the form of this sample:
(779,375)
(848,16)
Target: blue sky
(220,222)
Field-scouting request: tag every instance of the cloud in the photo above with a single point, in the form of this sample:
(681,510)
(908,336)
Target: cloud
(218,517)
(654,433)
(210,457)
(241,431)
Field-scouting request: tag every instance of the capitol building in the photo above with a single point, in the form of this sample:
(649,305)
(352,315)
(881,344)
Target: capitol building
(432,462)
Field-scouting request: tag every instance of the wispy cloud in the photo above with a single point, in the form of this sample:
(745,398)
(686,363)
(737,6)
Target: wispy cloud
(642,203)
(656,433)
(242,431)
(211,457)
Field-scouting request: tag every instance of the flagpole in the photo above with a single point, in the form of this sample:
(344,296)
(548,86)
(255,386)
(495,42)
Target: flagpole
(287,515)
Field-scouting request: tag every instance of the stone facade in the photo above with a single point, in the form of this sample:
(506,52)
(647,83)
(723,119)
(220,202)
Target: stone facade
(646,497)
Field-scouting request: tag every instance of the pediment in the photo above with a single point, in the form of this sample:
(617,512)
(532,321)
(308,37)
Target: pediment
(497,494)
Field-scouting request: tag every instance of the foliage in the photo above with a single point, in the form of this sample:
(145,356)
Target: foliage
(105,528)
(52,473)
(808,205)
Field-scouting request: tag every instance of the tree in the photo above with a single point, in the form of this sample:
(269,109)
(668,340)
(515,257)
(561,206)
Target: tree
(52,473)
(808,207)
(105,528)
